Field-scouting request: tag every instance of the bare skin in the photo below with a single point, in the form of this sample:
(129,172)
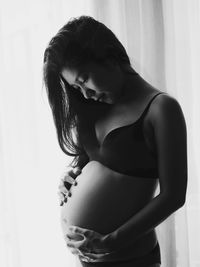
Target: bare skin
(103,200)
(164,126)
(120,200)
(124,114)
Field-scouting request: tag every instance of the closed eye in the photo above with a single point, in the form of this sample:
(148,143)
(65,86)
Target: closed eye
(76,87)
(84,78)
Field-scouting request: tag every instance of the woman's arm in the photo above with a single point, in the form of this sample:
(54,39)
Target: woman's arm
(171,142)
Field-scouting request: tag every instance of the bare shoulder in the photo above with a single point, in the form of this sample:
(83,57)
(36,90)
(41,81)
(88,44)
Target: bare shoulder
(170,136)
(165,107)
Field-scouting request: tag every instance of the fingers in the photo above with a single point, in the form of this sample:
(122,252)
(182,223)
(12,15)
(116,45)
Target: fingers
(80,230)
(86,259)
(63,189)
(68,178)
(84,248)
(70,175)
(78,252)
(77,244)
(95,256)
(80,243)
(74,172)
(62,193)
(81,253)
(77,171)
(62,198)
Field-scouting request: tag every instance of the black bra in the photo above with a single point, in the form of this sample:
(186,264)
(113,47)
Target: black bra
(124,149)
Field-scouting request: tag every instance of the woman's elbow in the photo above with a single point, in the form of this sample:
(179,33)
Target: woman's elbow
(181,202)
(174,201)
(180,198)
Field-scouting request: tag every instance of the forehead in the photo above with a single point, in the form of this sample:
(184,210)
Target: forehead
(69,74)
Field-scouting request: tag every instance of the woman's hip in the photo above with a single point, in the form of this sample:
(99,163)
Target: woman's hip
(150,259)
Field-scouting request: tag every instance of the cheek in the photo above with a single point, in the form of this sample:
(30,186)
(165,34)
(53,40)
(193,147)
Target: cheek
(103,81)
(106,83)
(96,84)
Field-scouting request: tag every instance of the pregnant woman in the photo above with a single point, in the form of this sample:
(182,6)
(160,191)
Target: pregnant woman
(125,137)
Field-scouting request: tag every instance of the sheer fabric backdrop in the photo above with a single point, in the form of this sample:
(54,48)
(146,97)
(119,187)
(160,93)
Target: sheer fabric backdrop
(163,40)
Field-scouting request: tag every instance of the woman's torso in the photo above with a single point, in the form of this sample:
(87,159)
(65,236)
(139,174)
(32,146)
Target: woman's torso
(124,141)
(119,180)
(104,199)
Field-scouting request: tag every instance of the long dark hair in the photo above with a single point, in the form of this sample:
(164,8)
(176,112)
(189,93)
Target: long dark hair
(78,42)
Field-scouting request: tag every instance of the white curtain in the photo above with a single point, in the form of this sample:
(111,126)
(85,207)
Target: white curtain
(162,39)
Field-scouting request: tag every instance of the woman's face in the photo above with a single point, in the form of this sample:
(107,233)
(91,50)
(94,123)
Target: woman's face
(98,82)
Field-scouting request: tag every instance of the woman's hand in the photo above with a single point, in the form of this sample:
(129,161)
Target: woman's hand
(92,247)
(68,177)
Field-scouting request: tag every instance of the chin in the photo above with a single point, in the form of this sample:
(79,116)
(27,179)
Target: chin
(109,100)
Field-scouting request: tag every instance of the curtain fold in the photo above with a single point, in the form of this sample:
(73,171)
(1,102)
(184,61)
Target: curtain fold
(162,39)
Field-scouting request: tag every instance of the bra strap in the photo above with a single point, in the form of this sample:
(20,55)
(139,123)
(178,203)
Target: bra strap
(148,105)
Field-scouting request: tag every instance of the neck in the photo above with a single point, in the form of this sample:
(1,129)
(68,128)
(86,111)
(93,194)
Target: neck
(133,88)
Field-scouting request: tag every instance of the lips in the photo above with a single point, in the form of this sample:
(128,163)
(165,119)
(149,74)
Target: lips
(100,99)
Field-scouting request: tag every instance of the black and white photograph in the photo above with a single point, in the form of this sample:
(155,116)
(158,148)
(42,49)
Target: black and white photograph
(99,133)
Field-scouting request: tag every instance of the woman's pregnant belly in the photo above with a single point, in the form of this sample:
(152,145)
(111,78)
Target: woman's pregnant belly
(104,199)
